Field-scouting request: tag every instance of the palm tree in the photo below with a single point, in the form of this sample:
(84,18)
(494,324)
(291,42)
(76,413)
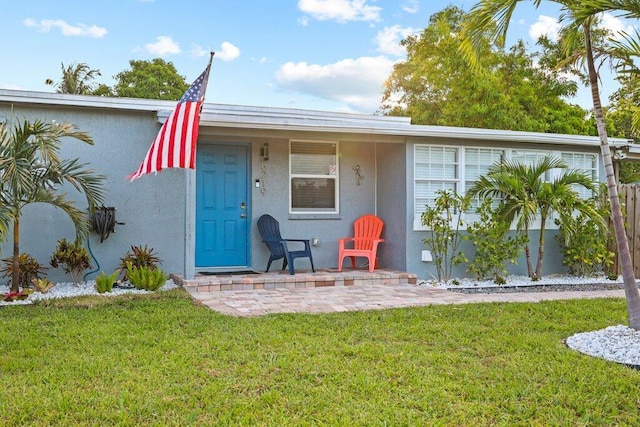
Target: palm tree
(76,79)
(30,170)
(527,197)
(492,17)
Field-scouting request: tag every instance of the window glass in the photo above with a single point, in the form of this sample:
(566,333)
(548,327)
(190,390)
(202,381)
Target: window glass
(313,172)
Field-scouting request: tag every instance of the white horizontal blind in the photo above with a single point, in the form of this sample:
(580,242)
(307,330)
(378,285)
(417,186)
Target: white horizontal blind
(477,162)
(436,168)
(313,173)
(313,158)
(586,163)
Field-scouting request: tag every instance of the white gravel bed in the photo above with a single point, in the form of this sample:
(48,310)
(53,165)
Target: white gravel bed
(616,343)
(522,281)
(66,290)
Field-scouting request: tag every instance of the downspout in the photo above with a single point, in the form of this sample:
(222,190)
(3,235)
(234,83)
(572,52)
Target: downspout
(375,178)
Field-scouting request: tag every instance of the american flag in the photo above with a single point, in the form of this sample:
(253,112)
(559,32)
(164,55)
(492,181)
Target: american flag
(175,145)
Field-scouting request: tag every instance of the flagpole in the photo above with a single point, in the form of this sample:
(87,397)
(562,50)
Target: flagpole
(207,78)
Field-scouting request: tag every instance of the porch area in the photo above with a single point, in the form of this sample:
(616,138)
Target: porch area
(323,277)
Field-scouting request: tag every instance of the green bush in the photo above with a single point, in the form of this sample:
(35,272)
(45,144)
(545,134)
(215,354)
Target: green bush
(73,258)
(583,243)
(493,247)
(146,278)
(140,256)
(105,283)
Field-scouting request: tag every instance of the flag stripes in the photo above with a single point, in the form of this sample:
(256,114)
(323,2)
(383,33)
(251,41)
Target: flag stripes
(175,144)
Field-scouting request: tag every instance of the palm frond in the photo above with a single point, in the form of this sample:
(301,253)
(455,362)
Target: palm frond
(79,217)
(82,179)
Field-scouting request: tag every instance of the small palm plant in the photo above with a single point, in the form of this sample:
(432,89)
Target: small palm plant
(528,198)
(30,169)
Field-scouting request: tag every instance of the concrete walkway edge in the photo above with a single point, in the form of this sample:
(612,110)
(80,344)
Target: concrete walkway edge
(259,302)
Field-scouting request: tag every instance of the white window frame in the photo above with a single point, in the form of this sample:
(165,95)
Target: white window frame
(532,155)
(443,182)
(570,158)
(333,172)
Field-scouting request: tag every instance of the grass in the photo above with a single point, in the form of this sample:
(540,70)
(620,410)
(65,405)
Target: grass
(163,359)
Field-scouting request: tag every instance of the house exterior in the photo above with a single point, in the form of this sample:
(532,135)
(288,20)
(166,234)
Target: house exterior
(316,172)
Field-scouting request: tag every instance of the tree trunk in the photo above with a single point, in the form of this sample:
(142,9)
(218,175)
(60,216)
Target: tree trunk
(15,273)
(628,276)
(543,222)
(527,255)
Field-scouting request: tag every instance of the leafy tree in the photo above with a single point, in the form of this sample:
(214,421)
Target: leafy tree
(527,197)
(30,170)
(492,18)
(103,90)
(620,115)
(155,79)
(444,220)
(435,85)
(76,79)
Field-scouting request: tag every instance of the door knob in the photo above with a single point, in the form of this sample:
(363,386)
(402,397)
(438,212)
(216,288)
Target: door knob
(243,215)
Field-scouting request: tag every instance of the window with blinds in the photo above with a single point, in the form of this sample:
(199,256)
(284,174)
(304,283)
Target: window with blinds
(458,168)
(586,163)
(477,162)
(436,168)
(313,177)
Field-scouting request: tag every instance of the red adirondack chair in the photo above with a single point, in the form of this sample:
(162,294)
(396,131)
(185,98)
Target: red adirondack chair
(364,243)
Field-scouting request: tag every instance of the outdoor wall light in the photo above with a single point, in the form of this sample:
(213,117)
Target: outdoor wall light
(264,151)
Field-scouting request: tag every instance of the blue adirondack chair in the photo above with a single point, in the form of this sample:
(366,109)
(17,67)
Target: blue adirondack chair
(270,231)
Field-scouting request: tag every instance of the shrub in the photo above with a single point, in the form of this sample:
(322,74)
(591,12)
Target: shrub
(493,247)
(583,242)
(42,285)
(146,278)
(105,283)
(445,222)
(139,256)
(29,269)
(73,258)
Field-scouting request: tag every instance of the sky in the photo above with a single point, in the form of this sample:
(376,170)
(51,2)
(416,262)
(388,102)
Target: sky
(330,55)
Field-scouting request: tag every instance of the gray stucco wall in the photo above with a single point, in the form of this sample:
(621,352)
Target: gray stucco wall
(152,207)
(273,199)
(392,196)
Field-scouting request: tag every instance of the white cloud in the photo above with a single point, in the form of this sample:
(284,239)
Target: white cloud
(46,25)
(163,46)
(227,52)
(411,6)
(198,51)
(340,10)
(388,39)
(615,25)
(545,26)
(549,26)
(356,82)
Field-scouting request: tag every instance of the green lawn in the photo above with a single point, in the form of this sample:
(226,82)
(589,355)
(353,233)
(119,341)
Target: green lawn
(163,359)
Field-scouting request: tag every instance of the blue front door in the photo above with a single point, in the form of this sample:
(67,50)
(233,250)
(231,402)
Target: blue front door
(221,206)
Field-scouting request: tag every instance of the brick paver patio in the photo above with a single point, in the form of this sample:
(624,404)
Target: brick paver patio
(258,302)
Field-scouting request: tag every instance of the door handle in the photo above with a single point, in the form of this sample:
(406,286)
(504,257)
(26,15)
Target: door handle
(243,215)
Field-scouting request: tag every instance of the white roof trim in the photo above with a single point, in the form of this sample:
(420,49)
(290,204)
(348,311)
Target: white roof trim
(269,118)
